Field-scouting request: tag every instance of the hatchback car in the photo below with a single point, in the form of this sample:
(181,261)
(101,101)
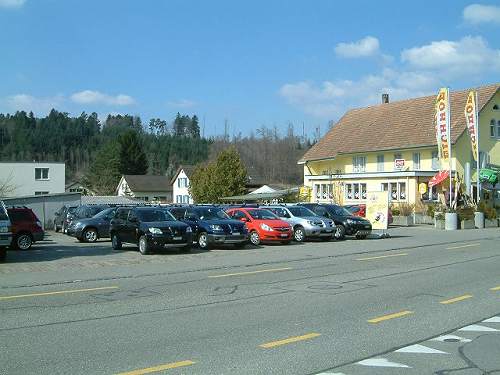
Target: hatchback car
(93,228)
(263,225)
(5,232)
(26,228)
(150,228)
(83,211)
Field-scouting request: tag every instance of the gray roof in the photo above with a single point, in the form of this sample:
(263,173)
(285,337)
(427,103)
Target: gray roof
(148,183)
(108,199)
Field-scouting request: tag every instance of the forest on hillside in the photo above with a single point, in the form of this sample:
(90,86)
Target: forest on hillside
(77,141)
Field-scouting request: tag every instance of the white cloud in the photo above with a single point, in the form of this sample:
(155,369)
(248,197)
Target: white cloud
(469,55)
(368,46)
(182,103)
(40,106)
(11,3)
(477,13)
(96,97)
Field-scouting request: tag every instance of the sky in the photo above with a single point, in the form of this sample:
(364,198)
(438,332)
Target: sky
(250,63)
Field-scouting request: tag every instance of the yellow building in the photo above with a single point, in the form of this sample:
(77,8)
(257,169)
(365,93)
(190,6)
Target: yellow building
(392,146)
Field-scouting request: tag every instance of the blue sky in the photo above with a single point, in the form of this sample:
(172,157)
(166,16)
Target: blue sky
(251,62)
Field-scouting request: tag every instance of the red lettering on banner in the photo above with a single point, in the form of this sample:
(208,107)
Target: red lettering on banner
(470,119)
(441,106)
(469,108)
(442,116)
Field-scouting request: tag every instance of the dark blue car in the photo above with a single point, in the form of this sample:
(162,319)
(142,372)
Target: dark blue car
(212,226)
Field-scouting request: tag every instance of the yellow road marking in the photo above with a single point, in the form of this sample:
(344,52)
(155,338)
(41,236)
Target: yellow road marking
(462,246)
(390,316)
(289,340)
(251,272)
(456,299)
(384,256)
(166,366)
(495,288)
(55,293)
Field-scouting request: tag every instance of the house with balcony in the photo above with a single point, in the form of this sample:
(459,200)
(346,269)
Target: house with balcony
(392,147)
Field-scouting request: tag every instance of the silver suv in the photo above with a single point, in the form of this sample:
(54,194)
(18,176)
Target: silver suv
(305,223)
(5,232)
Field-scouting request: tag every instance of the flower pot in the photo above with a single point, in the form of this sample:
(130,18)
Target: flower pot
(467,224)
(404,221)
(450,221)
(479,219)
(491,223)
(439,224)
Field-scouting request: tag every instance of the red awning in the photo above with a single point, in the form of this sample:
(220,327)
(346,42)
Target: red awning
(438,178)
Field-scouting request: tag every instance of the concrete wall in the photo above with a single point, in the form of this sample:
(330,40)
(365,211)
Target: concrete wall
(20,177)
(45,206)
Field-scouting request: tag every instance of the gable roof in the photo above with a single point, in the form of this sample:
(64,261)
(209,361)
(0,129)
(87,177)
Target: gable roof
(397,125)
(188,170)
(148,183)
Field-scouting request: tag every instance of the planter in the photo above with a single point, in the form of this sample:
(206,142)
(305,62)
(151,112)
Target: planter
(439,224)
(479,219)
(404,221)
(450,221)
(422,219)
(467,224)
(491,223)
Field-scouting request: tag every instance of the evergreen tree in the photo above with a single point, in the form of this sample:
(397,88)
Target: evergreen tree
(133,160)
(104,174)
(194,127)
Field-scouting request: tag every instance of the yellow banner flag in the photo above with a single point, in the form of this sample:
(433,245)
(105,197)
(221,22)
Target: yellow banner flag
(443,127)
(470,112)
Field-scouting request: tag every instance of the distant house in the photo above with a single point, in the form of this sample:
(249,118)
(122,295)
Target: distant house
(146,187)
(19,179)
(78,187)
(180,184)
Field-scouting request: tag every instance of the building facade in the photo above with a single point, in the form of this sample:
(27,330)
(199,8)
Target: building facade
(146,187)
(180,185)
(19,179)
(392,147)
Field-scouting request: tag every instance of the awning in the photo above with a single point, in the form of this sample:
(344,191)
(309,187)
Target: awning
(438,178)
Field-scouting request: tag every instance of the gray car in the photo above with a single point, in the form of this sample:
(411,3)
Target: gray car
(5,232)
(305,223)
(92,228)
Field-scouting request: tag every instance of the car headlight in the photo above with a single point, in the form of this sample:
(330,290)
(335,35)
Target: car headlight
(4,229)
(350,221)
(266,227)
(155,230)
(189,230)
(216,228)
(310,222)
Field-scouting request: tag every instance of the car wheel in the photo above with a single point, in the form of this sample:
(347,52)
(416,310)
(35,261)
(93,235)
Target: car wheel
(339,232)
(116,244)
(255,238)
(143,245)
(203,241)
(90,235)
(56,228)
(23,241)
(3,254)
(299,234)
(360,236)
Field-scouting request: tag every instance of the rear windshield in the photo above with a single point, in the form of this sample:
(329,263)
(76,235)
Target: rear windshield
(17,216)
(301,211)
(262,215)
(149,216)
(211,213)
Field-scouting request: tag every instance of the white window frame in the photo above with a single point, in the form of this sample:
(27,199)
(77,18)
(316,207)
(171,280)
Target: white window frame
(355,191)
(380,162)
(359,164)
(416,161)
(397,191)
(42,170)
(435,160)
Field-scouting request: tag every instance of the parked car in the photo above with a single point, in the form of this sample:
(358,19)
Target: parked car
(5,232)
(345,222)
(93,228)
(26,228)
(360,210)
(150,228)
(263,225)
(212,226)
(305,223)
(61,217)
(83,211)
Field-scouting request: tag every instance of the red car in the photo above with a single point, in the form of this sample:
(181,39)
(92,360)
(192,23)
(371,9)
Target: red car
(263,225)
(360,210)
(26,228)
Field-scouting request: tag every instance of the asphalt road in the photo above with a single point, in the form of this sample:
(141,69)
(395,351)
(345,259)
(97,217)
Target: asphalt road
(350,307)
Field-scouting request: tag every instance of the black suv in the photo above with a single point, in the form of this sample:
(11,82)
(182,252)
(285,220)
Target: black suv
(345,222)
(150,228)
(211,225)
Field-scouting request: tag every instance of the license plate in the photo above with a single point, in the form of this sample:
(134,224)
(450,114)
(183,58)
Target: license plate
(284,235)
(367,227)
(236,233)
(177,238)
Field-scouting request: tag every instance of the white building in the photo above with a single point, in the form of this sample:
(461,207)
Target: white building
(180,185)
(146,187)
(18,179)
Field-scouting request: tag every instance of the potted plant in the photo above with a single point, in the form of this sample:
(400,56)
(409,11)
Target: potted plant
(450,219)
(439,220)
(466,217)
(491,217)
(403,214)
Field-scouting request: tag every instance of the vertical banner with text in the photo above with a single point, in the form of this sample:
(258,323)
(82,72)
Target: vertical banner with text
(471,121)
(443,127)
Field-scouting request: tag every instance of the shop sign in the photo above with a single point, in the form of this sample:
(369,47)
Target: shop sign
(399,164)
(422,188)
(377,209)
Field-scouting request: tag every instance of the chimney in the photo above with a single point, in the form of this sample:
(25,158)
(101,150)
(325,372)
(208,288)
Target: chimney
(385,98)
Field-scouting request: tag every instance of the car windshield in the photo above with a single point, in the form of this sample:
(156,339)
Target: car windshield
(104,213)
(301,211)
(154,215)
(211,213)
(340,211)
(261,214)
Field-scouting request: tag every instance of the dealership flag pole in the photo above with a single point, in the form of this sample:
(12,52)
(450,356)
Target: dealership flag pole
(476,112)
(448,136)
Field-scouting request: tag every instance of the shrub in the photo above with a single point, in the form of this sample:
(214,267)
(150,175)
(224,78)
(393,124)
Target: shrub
(439,215)
(406,209)
(431,209)
(395,210)
(465,213)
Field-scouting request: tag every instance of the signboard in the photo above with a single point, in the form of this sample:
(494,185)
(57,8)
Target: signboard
(443,127)
(399,163)
(377,209)
(470,112)
(422,188)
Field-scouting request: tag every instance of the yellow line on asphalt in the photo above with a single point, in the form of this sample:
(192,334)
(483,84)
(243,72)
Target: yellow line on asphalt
(2,298)
(251,272)
(495,288)
(462,246)
(456,299)
(289,340)
(384,256)
(166,366)
(390,316)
